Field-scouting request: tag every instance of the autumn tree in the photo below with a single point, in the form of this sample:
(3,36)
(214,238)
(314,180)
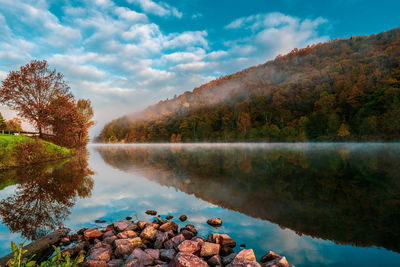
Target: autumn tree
(2,122)
(14,124)
(31,89)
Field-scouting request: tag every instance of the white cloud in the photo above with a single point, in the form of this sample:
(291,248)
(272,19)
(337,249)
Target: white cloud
(160,9)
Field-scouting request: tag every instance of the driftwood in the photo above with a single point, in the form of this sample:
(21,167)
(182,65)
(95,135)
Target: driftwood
(41,247)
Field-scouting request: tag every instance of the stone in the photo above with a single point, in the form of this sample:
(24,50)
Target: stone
(215,222)
(222,239)
(99,221)
(149,233)
(161,237)
(143,257)
(169,217)
(174,242)
(167,254)
(122,225)
(134,262)
(183,259)
(93,263)
(143,224)
(92,233)
(75,249)
(191,228)
(209,249)
(225,251)
(123,247)
(183,218)
(187,234)
(136,242)
(151,212)
(199,239)
(279,262)
(154,253)
(228,259)
(132,227)
(169,226)
(215,261)
(128,218)
(127,234)
(100,254)
(269,257)
(242,245)
(189,246)
(108,234)
(115,263)
(246,263)
(246,254)
(110,240)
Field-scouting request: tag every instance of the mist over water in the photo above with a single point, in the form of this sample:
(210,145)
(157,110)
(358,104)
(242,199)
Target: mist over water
(319,204)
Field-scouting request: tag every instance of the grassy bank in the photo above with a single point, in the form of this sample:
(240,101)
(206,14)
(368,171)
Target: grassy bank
(21,150)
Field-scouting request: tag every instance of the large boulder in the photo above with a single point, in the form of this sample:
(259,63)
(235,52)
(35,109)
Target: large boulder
(189,246)
(100,254)
(246,254)
(169,226)
(143,257)
(279,262)
(209,249)
(183,259)
(270,256)
(92,233)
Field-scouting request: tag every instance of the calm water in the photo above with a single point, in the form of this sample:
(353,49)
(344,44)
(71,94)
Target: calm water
(317,204)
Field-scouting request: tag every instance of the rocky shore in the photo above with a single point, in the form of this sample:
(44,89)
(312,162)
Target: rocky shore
(160,243)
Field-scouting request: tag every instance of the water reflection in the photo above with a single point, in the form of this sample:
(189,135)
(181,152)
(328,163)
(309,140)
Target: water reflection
(44,195)
(346,193)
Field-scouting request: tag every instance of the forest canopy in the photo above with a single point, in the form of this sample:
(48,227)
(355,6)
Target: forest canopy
(346,89)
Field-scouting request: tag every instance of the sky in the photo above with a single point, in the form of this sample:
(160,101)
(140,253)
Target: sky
(124,55)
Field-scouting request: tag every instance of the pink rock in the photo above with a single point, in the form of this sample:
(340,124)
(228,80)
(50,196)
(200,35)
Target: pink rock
(154,253)
(100,254)
(115,263)
(109,240)
(122,225)
(189,246)
(143,257)
(183,259)
(171,225)
(127,234)
(246,254)
(243,262)
(209,249)
(108,234)
(92,233)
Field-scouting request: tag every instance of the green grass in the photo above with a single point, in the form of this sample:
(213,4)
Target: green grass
(9,143)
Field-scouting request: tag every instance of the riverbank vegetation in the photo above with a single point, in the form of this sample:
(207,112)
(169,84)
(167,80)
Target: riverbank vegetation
(346,89)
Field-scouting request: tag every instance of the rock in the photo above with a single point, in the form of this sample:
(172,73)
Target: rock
(222,239)
(279,262)
(127,234)
(228,259)
(93,263)
(151,212)
(128,218)
(126,246)
(215,222)
(174,242)
(246,263)
(122,225)
(190,227)
(154,253)
(183,218)
(209,249)
(134,262)
(65,241)
(110,240)
(143,257)
(169,217)
(159,220)
(149,233)
(215,261)
(161,237)
(81,231)
(189,246)
(92,233)
(169,226)
(242,245)
(199,239)
(132,227)
(99,221)
(246,254)
(167,254)
(143,224)
(108,234)
(136,242)
(160,263)
(269,257)
(225,251)
(187,234)
(115,263)
(100,254)
(75,250)
(183,259)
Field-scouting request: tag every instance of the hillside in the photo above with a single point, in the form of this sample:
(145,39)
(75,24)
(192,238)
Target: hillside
(20,150)
(346,89)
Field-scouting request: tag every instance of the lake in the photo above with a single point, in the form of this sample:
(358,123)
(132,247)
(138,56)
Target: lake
(317,204)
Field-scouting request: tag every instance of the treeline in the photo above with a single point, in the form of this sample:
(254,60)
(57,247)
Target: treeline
(346,89)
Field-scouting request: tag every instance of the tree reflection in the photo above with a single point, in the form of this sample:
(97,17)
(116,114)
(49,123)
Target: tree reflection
(45,194)
(346,195)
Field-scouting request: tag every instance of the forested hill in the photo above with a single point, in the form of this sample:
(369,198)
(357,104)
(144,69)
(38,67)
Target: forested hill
(346,89)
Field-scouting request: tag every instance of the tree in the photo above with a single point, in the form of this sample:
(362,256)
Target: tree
(31,89)
(2,123)
(14,124)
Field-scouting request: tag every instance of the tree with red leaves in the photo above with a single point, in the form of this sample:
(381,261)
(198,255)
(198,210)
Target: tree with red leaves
(31,91)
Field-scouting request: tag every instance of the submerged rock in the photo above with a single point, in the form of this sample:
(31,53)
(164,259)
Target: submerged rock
(183,218)
(215,222)
(151,212)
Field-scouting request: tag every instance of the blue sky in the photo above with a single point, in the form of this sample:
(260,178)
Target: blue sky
(127,54)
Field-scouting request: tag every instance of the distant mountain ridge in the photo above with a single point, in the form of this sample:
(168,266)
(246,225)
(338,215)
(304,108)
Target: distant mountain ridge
(345,89)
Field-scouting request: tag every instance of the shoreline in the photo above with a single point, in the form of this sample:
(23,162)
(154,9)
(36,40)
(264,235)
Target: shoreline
(159,243)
